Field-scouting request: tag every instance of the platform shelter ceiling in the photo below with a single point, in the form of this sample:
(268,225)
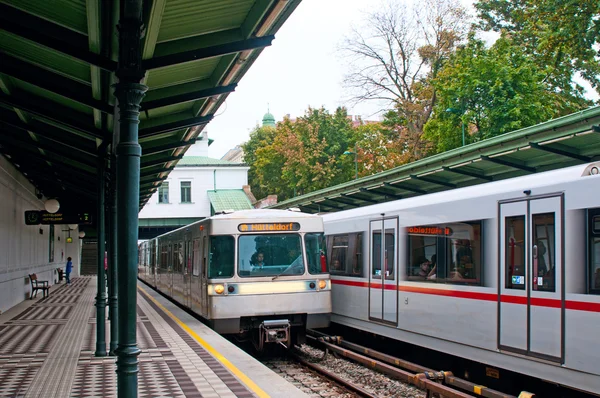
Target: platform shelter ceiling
(558,143)
(57,71)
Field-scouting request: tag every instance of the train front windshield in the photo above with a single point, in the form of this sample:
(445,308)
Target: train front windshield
(270,255)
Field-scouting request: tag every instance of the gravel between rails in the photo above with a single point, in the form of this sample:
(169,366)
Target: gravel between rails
(319,386)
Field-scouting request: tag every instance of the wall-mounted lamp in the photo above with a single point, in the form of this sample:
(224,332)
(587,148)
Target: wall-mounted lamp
(51,205)
(81,234)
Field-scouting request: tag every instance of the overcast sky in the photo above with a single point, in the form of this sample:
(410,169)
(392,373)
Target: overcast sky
(302,68)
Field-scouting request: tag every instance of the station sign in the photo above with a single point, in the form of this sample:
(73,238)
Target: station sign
(37,217)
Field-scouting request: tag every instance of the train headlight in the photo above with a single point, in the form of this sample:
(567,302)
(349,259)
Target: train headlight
(322,284)
(219,289)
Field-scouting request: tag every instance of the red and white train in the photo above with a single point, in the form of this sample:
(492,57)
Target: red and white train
(505,273)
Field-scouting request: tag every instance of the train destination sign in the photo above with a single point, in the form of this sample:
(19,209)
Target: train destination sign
(36,217)
(271,226)
(433,231)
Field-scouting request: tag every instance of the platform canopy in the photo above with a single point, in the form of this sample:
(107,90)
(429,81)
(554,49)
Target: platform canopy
(562,142)
(57,73)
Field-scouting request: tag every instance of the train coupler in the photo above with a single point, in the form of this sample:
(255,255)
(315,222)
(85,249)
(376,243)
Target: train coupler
(275,331)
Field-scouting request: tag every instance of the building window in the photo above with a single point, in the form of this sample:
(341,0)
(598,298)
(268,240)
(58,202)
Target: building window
(163,193)
(449,253)
(186,192)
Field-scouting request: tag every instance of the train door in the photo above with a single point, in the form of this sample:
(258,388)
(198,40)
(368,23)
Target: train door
(203,276)
(187,271)
(531,299)
(383,274)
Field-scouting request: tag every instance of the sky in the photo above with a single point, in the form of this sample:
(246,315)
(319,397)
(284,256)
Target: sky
(303,67)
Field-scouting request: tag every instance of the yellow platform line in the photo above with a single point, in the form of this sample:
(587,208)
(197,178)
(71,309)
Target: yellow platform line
(231,367)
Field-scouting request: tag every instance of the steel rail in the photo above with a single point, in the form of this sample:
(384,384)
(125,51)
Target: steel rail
(423,378)
(334,377)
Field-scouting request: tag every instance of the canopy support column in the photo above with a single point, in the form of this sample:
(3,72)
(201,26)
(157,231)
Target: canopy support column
(129,94)
(100,223)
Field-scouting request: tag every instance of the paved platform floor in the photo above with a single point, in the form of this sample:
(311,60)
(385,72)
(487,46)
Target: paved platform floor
(47,349)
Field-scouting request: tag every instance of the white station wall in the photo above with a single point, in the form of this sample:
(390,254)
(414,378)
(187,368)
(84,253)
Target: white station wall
(25,249)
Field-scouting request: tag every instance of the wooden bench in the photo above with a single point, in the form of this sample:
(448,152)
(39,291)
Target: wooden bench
(38,285)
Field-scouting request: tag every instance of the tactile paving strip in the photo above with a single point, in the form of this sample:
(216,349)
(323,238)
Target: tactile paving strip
(226,377)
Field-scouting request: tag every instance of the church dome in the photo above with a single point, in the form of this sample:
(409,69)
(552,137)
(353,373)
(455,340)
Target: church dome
(268,120)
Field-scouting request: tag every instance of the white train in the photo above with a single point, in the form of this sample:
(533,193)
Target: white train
(258,274)
(505,273)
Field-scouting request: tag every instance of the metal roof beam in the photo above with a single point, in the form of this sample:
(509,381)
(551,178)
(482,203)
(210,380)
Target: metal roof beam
(152,181)
(62,162)
(346,201)
(405,188)
(173,126)
(52,82)
(503,162)
(433,181)
(468,173)
(187,97)
(34,148)
(561,152)
(51,35)
(152,163)
(359,198)
(48,112)
(40,131)
(327,205)
(207,52)
(167,147)
(154,172)
(380,192)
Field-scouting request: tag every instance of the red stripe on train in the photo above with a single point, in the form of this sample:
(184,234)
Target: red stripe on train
(538,302)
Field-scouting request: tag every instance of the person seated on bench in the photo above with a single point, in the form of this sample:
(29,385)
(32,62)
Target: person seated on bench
(38,285)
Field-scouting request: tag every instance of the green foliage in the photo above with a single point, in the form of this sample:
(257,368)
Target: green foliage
(300,156)
(492,91)
(561,36)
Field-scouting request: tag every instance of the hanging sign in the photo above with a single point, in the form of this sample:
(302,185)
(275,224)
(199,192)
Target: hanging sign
(36,217)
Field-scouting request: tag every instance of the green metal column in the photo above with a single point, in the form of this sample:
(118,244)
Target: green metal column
(112,261)
(129,94)
(101,295)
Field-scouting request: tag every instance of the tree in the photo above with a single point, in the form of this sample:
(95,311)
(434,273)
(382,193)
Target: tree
(263,161)
(492,91)
(562,36)
(300,156)
(397,54)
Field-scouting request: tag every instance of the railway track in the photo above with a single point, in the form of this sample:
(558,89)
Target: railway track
(434,383)
(321,374)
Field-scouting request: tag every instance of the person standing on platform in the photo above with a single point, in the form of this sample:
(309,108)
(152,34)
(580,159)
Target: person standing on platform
(68,270)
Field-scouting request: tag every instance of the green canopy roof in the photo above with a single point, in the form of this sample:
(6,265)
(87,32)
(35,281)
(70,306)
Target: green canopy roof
(228,199)
(562,142)
(57,73)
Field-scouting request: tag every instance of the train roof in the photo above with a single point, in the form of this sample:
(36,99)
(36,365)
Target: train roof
(518,184)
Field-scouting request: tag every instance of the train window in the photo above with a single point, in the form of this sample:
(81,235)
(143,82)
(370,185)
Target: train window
(164,257)
(196,256)
(345,254)
(515,252)
(449,253)
(543,252)
(270,255)
(220,257)
(357,259)
(316,253)
(594,251)
(389,254)
(339,251)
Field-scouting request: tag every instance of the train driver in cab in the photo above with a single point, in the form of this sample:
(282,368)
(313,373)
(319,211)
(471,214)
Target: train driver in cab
(258,260)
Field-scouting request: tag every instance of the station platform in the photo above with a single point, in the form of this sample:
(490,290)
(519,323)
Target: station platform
(47,350)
